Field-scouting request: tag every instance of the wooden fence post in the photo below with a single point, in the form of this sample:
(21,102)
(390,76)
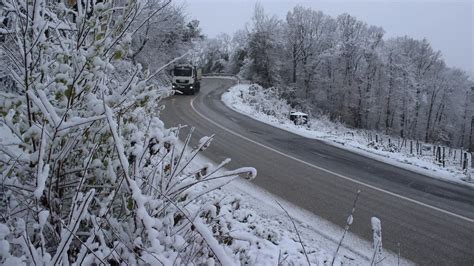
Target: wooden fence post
(469,168)
(444,157)
(464,162)
(439,154)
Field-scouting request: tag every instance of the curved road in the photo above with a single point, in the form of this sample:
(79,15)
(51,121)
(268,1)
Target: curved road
(432,220)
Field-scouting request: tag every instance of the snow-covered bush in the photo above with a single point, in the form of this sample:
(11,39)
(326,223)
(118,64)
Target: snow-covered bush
(388,147)
(89,172)
(266,101)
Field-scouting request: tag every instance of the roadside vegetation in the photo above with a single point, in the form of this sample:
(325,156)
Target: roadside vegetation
(268,106)
(344,69)
(90,175)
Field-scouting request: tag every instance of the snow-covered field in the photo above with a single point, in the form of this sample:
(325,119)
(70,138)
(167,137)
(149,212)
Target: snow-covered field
(265,107)
(262,229)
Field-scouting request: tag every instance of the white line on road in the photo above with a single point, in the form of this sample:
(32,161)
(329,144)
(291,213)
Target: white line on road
(331,172)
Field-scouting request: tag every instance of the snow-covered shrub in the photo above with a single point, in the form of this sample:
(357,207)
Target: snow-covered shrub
(89,173)
(266,101)
(374,145)
(391,147)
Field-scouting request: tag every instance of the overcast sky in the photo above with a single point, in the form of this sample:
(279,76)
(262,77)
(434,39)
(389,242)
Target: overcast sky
(448,25)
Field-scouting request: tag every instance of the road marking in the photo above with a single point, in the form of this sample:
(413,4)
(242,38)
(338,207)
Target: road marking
(331,172)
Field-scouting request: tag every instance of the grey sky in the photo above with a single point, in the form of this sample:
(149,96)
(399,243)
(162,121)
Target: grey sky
(448,25)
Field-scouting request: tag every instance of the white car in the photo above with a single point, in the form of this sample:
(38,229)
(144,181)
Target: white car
(299,118)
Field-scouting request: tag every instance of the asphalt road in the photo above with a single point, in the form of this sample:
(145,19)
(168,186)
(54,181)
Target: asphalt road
(432,220)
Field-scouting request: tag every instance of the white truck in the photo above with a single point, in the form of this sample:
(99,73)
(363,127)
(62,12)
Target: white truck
(186,78)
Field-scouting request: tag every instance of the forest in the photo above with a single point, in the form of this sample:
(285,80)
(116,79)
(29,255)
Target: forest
(345,69)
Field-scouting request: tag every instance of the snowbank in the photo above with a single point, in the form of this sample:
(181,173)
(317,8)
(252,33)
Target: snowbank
(264,235)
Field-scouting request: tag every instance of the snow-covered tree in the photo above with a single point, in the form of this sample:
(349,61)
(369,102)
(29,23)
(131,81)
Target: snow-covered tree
(264,48)
(309,35)
(344,68)
(165,35)
(213,54)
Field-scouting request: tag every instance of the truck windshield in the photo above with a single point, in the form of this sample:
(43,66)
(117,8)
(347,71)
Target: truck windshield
(183,72)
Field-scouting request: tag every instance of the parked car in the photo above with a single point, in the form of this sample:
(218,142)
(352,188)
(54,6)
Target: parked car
(299,118)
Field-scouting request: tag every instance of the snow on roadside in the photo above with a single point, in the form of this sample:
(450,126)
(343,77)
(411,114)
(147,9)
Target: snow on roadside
(272,111)
(264,235)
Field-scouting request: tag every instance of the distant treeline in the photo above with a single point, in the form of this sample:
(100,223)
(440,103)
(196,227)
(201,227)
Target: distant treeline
(344,68)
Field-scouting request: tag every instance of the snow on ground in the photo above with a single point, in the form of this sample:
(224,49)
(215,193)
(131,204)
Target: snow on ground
(267,235)
(248,100)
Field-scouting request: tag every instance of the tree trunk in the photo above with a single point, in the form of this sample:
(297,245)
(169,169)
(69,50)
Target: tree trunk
(464,120)
(430,112)
(389,97)
(417,111)
(295,63)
